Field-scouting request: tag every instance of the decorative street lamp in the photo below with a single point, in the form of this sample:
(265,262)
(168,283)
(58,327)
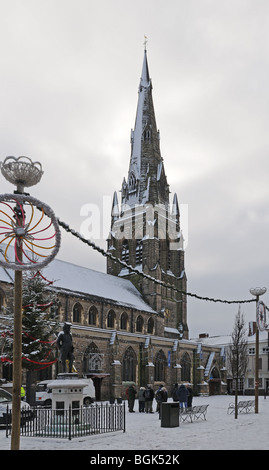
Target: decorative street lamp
(21,171)
(31,232)
(260,320)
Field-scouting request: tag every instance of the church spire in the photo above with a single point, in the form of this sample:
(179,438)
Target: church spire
(146,178)
(145,232)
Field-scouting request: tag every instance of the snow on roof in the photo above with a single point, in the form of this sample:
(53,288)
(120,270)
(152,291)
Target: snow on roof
(214,340)
(78,279)
(225,340)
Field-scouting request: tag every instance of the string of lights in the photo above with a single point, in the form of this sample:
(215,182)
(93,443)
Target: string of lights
(132,269)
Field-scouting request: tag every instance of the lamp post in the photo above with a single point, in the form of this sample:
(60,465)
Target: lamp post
(23,231)
(21,172)
(257,292)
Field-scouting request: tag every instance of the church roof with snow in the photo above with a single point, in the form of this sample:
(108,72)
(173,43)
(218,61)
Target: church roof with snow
(78,280)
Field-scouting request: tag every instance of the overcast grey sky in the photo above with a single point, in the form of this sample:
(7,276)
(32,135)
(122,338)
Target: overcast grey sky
(69,76)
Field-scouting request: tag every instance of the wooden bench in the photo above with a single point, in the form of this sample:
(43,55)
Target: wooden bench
(243,407)
(194,413)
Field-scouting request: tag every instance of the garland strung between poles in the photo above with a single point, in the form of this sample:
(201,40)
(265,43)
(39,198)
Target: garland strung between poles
(146,276)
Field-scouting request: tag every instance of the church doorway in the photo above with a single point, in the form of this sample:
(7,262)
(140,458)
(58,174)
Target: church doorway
(97,382)
(214,382)
(97,385)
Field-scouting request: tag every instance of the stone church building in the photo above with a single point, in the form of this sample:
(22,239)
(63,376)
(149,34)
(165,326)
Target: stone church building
(126,328)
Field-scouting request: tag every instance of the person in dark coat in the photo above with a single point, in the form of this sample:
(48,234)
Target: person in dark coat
(149,395)
(131,398)
(158,397)
(182,394)
(141,399)
(174,392)
(163,398)
(164,394)
(190,396)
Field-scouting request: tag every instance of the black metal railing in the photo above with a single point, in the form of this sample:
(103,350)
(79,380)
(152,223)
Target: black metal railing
(46,422)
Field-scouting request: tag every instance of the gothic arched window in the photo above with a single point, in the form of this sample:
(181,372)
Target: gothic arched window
(160,366)
(139,252)
(150,325)
(147,135)
(111,319)
(92,359)
(139,324)
(93,315)
(124,321)
(77,310)
(125,251)
(129,365)
(186,368)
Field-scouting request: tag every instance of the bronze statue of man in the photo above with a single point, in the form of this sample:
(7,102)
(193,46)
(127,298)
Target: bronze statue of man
(65,345)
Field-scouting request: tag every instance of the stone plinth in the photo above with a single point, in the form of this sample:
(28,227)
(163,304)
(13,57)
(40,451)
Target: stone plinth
(67,390)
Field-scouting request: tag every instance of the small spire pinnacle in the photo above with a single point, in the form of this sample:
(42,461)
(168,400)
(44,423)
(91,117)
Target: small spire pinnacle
(145,42)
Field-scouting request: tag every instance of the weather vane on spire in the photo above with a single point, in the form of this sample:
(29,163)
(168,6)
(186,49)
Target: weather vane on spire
(145,42)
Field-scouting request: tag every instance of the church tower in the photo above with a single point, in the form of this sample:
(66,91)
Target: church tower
(145,226)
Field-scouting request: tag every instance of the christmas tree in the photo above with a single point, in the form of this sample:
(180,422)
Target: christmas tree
(39,329)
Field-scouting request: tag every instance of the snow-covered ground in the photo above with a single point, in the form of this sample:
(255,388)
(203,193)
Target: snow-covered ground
(220,431)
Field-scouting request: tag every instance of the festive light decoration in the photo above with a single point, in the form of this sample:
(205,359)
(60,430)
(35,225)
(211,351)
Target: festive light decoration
(20,230)
(132,269)
(28,224)
(21,171)
(8,333)
(44,363)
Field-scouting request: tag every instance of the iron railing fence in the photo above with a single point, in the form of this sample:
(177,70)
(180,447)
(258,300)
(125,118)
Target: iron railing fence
(71,423)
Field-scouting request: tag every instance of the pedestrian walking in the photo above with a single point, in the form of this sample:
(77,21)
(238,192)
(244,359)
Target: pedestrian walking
(182,396)
(174,392)
(158,398)
(164,394)
(141,399)
(131,393)
(190,396)
(149,395)
(163,397)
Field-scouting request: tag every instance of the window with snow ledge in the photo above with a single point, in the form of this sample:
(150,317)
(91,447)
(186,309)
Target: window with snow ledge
(93,315)
(139,252)
(129,364)
(111,316)
(139,324)
(77,311)
(150,326)
(125,251)
(160,364)
(186,368)
(124,321)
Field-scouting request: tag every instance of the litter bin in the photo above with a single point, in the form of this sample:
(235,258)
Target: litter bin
(169,415)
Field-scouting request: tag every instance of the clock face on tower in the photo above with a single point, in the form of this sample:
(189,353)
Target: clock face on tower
(261,316)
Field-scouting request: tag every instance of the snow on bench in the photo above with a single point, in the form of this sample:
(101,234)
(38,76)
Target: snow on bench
(194,413)
(242,407)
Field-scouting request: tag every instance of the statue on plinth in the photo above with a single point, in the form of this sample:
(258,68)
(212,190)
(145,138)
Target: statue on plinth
(65,344)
